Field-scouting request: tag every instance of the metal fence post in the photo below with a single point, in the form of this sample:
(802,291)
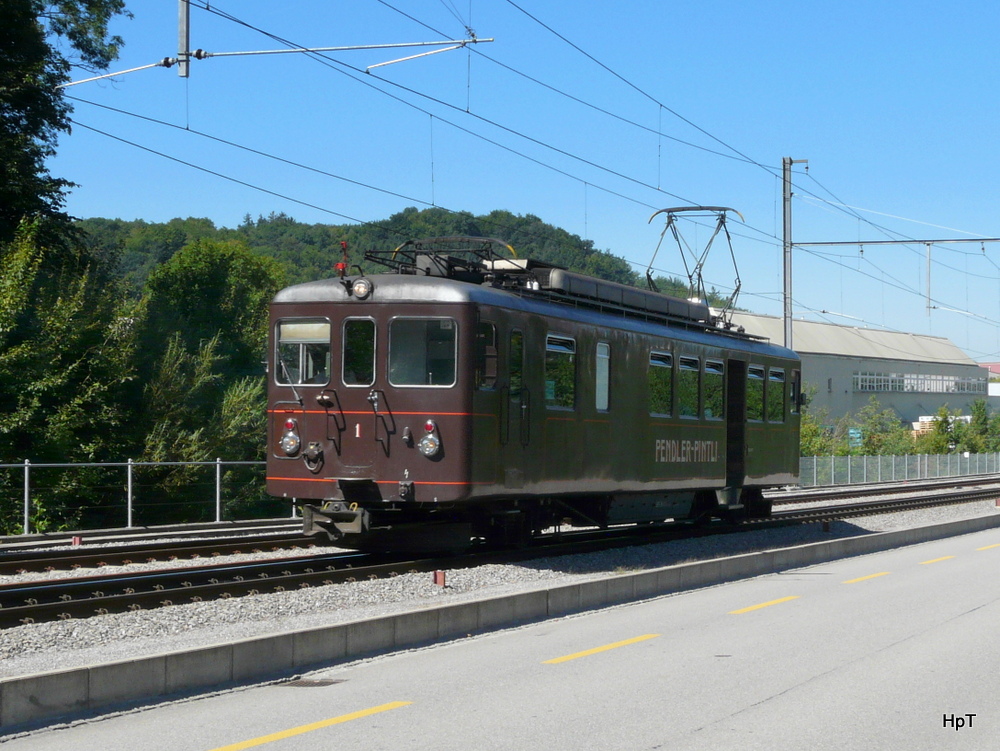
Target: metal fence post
(27,497)
(129,507)
(218,489)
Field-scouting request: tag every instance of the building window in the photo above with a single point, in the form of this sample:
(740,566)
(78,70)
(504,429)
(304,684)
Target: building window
(918,383)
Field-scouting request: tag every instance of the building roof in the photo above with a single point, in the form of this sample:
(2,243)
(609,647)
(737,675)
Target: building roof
(811,337)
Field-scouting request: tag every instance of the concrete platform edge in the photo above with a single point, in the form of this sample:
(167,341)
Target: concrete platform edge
(63,695)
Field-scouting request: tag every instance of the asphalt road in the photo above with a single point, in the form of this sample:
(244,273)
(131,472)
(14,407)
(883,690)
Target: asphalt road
(895,650)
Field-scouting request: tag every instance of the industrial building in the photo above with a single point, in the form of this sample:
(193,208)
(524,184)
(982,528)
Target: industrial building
(844,366)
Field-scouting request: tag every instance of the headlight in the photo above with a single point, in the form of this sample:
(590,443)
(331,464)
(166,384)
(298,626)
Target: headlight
(429,445)
(361,288)
(290,442)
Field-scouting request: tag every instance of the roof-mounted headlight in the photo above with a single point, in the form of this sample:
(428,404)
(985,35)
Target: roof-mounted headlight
(361,288)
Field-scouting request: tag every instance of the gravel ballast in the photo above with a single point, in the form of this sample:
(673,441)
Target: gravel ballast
(62,645)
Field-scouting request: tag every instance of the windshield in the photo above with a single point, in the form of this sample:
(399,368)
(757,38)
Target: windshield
(422,351)
(303,352)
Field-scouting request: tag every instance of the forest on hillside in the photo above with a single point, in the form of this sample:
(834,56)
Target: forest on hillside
(309,251)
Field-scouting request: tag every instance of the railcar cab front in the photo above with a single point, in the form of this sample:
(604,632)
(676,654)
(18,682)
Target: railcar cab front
(369,404)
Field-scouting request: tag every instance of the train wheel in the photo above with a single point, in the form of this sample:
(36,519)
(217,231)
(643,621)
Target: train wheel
(703,508)
(757,506)
(507,529)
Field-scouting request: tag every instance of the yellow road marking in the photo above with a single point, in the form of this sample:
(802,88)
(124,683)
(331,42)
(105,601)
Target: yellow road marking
(866,578)
(596,650)
(314,726)
(996,545)
(937,560)
(763,605)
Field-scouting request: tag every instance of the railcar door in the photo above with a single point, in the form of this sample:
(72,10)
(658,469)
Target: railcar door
(736,423)
(356,429)
(516,434)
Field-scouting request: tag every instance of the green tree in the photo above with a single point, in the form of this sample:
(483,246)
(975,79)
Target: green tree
(33,111)
(214,288)
(67,342)
(815,438)
(203,397)
(940,439)
(882,432)
(974,436)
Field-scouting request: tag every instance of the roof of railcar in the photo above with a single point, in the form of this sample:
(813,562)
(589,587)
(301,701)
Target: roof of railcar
(408,288)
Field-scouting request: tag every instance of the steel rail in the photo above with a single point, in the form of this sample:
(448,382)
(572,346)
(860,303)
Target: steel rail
(179,586)
(34,561)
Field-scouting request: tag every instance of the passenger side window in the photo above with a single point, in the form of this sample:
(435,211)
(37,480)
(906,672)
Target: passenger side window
(755,393)
(660,377)
(796,405)
(775,395)
(688,393)
(515,364)
(603,369)
(486,356)
(560,372)
(714,385)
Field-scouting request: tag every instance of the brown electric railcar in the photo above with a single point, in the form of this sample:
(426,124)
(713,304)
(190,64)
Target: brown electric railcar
(474,397)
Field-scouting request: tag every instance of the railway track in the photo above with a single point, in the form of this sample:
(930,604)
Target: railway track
(82,597)
(28,561)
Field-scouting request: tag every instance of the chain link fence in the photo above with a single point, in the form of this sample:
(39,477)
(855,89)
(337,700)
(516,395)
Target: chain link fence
(126,488)
(853,470)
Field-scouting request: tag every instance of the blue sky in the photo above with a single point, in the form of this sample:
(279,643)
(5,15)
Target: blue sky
(590,115)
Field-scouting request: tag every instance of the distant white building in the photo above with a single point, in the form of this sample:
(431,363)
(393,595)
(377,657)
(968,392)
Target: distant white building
(844,366)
